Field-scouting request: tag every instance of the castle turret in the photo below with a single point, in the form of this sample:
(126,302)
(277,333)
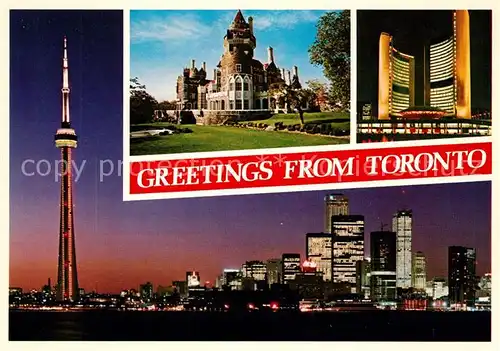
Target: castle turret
(250,24)
(270,55)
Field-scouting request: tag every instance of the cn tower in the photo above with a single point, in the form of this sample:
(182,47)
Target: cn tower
(66,140)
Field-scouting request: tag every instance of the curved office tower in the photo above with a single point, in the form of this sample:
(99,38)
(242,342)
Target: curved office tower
(448,70)
(461,32)
(396,79)
(442,75)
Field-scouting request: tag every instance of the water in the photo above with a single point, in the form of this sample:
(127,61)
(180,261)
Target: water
(282,326)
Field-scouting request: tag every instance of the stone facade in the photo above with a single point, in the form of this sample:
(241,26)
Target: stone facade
(240,83)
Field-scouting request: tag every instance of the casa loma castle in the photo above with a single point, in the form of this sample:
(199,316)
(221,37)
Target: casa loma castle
(240,82)
(66,140)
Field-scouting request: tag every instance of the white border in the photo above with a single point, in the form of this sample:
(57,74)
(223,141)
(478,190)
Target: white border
(260,4)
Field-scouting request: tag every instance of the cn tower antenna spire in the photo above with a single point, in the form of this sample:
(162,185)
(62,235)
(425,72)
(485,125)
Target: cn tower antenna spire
(65,86)
(66,140)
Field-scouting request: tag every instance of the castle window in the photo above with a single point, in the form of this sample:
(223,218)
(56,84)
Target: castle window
(245,104)
(238,85)
(245,86)
(231,86)
(238,67)
(231,105)
(238,104)
(260,79)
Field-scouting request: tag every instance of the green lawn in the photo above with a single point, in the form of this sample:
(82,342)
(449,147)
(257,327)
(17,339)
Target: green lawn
(338,120)
(221,138)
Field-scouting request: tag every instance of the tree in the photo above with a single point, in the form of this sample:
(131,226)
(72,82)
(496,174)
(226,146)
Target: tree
(294,98)
(166,105)
(142,104)
(320,91)
(332,50)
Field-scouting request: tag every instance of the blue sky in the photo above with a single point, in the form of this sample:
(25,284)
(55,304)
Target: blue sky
(164,42)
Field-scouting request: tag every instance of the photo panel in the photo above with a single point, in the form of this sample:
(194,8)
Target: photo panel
(207,80)
(423,74)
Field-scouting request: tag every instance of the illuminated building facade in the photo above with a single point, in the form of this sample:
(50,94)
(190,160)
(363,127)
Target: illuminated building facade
(396,79)
(348,247)
(66,140)
(363,273)
(383,266)
(291,266)
(231,278)
(402,226)
(461,275)
(146,291)
(447,70)
(319,249)
(447,77)
(193,279)
(274,271)
(256,270)
(335,205)
(419,271)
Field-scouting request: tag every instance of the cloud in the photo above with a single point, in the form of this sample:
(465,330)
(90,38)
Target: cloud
(170,28)
(283,19)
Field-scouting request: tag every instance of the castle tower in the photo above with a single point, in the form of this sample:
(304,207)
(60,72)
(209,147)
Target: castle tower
(237,63)
(66,140)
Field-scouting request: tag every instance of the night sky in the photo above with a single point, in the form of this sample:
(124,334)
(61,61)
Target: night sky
(123,244)
(410,31)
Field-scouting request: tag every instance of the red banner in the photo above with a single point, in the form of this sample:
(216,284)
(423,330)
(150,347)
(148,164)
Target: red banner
(306,168)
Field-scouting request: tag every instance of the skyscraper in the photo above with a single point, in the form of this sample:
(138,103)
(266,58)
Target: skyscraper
(66,140)
(383,266)
(256,270)
(402,226)
(419,271)
(461,275)
(291,266)
(319,249)
(274,271)
(396,79)
(335,205)
(363,273)
(348,247)
(447,70)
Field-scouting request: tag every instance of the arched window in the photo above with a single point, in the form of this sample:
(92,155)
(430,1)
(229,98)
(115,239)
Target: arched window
(231,84)
(238,83)
(246,84)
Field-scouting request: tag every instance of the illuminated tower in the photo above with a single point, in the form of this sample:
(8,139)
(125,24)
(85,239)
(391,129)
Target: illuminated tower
(335,205)
(396,79)
(461,32)
(66,140)
(447,70)
(402,226)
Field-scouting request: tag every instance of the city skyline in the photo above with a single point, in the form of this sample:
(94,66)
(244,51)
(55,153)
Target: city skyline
(159,241)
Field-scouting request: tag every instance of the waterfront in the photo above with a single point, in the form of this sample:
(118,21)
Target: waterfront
(102,325)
